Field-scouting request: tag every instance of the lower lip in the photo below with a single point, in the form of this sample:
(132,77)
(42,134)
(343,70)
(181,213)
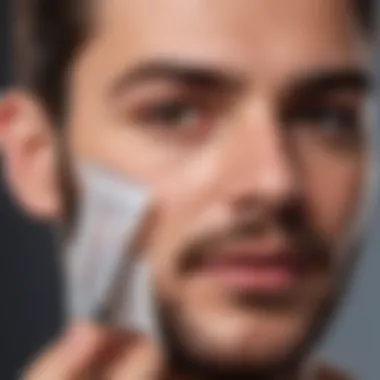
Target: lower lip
(255,279)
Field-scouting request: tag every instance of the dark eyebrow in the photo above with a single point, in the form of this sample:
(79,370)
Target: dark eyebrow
(333,80)
(186,74)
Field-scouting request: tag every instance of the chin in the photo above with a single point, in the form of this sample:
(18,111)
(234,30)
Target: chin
(232,341)
(260,340)
(232,331)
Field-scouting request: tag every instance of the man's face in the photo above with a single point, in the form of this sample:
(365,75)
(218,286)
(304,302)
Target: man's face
(243,118)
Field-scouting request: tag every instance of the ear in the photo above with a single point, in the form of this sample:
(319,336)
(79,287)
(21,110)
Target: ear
(29,155)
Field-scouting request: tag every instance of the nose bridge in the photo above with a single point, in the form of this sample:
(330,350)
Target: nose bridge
(257,158)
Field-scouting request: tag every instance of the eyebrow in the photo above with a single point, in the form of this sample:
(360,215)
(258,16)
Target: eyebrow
(186,74)
(326,81)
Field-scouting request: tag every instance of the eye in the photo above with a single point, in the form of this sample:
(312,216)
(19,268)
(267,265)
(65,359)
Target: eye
(172,114)
(330,119)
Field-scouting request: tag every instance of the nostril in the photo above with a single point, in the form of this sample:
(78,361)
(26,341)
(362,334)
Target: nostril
(259,212)
(293,214)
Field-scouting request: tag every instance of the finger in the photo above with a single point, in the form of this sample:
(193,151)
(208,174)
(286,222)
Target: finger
(116,343)
(70,358)
(141,360)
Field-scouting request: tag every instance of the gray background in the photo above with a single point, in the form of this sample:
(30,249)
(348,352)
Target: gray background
(30,310)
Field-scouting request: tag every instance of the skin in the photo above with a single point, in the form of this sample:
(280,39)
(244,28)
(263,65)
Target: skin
(237,138)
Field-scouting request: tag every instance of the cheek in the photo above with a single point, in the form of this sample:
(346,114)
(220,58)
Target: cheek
(183,199)
(180,179)
(333,188)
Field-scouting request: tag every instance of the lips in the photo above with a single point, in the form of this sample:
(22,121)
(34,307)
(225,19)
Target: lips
(254,268)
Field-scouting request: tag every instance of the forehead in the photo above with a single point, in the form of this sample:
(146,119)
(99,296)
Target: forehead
(272,36)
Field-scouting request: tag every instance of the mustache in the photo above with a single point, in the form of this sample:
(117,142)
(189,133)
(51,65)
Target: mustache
(295,230)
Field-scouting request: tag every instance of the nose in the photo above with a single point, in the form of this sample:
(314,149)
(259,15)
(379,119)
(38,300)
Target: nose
(257,160)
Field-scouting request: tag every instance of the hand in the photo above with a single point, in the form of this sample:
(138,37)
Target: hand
(87,352)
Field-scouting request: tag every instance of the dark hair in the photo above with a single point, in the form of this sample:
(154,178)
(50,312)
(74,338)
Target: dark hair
(47,33)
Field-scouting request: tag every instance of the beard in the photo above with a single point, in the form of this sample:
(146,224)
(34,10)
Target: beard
(185,358)
(258,220)
(176,328)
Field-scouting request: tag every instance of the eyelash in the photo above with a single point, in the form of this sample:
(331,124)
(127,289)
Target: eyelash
(186,118)
(336,126)
(165,113)
(346,118)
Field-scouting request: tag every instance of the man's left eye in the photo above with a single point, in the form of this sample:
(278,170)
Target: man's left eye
(330,120)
